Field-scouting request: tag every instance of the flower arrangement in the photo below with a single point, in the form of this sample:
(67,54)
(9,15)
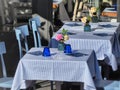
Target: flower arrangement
(62,37)
(85,20)
(93,14)
(93,11)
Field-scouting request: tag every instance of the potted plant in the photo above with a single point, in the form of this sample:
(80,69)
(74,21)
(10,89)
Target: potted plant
(61,38)
(93,14)
(87,27)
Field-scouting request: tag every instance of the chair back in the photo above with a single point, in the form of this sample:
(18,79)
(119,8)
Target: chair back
(36,35)
(36,19)
(24,29)
(3,51)
(21,35)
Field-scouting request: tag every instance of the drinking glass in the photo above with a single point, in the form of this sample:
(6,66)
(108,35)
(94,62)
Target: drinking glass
(67,48)
(46,52)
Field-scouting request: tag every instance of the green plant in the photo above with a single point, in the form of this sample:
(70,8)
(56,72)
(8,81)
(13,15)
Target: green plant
(64,32)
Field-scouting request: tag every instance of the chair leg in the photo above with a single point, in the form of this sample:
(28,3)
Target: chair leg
(4,89)
(105,69)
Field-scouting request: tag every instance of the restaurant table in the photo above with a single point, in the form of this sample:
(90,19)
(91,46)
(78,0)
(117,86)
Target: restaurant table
(80,66)
(109,12)
(103,39)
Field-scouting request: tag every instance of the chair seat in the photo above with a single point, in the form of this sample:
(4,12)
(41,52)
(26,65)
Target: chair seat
(6,82)
(106,84)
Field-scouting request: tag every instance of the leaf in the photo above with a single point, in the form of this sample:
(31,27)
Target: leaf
(88,18)
(64,32)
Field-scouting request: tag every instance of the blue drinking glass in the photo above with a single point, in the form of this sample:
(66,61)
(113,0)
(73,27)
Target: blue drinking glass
(87,28)
(68,49)
(46,52)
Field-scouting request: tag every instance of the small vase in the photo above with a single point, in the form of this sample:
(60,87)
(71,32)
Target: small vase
(87,28)
(94,19)
(61,46)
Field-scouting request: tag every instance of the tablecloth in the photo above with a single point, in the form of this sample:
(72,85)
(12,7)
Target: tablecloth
(103,39)
(58,67)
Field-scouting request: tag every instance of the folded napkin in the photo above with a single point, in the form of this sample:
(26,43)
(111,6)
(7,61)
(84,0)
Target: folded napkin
(73,24)
(76,54)
(71,33)
(37,53)
(107,26)
(102,34)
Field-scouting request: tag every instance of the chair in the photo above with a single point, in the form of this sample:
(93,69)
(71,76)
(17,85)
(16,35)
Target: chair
(34,24)
(37,39)
(36,19)
(21,35)
(80,9)
(107,84)
(6,82)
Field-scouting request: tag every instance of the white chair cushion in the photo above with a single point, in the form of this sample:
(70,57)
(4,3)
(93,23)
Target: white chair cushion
(6,82)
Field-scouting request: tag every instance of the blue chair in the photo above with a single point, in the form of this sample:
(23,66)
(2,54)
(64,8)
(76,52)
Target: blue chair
(21,35)
(107,84)
(5,81)
(34,23)
(36,19)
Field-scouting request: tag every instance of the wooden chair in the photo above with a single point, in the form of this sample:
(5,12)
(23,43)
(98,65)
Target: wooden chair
(21,36)
(34,23)
(5,81)
(36,19)
(107,84)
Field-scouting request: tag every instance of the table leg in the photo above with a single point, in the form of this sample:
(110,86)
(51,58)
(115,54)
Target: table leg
(58,85)
(51,84)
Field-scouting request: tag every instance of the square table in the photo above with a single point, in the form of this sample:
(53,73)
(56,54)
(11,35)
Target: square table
(103,39)
(109,12)
(58,67)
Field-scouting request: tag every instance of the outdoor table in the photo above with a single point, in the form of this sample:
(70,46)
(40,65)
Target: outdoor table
(109,12)
(58,67)
(103,39)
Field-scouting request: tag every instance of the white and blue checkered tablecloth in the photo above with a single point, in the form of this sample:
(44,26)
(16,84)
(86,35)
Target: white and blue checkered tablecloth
(58,67)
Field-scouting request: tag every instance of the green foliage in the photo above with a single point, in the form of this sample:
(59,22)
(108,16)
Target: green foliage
(64,32)
(89,18)
(97,9)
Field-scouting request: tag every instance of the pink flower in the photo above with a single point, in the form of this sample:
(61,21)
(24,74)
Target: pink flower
(59,37)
